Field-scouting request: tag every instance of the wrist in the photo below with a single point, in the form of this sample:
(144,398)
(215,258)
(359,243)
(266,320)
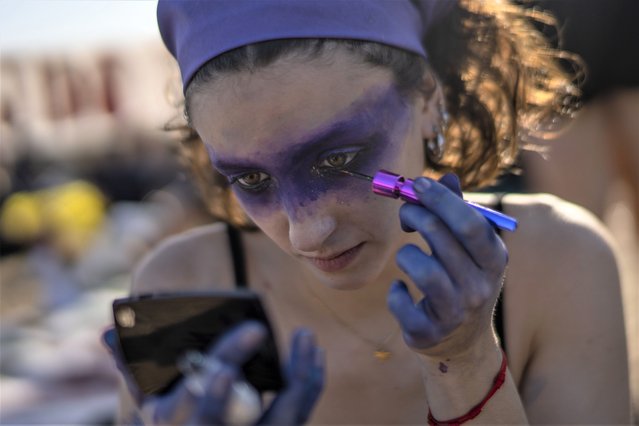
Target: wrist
(456,382)
(498,382)
(482,350)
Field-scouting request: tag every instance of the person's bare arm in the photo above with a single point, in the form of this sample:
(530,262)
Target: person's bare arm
(450,323)
(198,259)
(564,298)
(577,370)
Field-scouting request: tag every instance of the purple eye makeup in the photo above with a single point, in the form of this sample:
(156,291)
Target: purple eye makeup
(366,136)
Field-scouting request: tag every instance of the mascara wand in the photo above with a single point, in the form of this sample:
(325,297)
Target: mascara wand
(388,184)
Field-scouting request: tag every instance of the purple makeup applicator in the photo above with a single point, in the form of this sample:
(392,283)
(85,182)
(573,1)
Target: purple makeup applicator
(392,185)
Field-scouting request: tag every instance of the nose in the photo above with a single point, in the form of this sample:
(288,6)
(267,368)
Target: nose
(309,231)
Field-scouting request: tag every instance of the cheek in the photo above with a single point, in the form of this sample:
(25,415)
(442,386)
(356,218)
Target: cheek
(258,204)
(275,227)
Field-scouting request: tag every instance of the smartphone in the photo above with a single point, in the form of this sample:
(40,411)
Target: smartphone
(155,331)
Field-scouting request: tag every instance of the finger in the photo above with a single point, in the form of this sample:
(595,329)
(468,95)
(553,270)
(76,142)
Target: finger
(418,327)
(433,281)
(445,247)
(467,225)
(210,384)
(240,344)
(451,181)
(467,278)
(212,406)
(305,382)
(188,403)
(301,356)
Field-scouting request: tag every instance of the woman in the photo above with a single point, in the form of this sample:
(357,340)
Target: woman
(283,96)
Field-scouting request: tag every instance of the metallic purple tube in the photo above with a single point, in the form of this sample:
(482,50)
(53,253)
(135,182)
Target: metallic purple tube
(388,184)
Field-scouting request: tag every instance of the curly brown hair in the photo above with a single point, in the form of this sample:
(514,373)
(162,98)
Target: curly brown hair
(502,81)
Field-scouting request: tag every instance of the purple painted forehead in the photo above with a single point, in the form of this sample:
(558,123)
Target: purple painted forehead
(196,31)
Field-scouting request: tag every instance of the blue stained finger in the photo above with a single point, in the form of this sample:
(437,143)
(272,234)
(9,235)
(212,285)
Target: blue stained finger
(240,344)
(414,322)
(302,354)
(432,279)
(304,385)
(444,245)
(467,226)
(212,408)
(451,181)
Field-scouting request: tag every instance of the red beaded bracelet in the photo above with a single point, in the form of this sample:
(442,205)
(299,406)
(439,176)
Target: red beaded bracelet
(474,412)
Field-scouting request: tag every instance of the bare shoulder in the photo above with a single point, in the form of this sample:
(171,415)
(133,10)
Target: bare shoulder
(553,231)
(563,313)
(197,259)
(561,253)
(561,232)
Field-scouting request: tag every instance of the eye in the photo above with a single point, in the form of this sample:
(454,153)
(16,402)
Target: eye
(338,160)
(252,181)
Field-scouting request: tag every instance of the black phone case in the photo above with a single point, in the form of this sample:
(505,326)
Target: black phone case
(154,331)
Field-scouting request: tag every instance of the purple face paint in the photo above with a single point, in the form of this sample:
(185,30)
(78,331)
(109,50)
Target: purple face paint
(370,132)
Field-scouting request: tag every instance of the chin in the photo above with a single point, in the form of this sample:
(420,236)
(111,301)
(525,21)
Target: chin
(341,283)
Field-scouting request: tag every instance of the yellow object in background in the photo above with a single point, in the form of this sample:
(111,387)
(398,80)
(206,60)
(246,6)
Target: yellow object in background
(21,218)
(77,206)
(68,215)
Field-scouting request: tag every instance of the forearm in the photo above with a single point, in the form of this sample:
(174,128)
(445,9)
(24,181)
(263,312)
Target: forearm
(454,385)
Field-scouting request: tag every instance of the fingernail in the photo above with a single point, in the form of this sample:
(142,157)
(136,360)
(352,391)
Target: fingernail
(421,184)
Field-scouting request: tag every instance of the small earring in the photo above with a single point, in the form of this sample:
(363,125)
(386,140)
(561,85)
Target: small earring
(435,145)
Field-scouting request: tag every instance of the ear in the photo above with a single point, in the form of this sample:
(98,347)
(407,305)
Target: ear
(432,105)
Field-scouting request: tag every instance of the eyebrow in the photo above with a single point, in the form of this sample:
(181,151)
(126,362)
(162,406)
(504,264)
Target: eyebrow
(335,134)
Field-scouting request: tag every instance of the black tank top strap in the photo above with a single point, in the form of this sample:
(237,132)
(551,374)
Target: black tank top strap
(498,314)
(237,254)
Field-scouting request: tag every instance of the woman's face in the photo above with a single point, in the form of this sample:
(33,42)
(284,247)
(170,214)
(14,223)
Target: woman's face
(277,132)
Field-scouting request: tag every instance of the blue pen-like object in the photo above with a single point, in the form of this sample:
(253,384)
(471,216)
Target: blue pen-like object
(388,184)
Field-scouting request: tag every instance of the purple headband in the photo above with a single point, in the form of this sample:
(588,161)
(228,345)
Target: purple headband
(196,31)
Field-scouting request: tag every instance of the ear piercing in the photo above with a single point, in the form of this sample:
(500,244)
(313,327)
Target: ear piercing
(435,145)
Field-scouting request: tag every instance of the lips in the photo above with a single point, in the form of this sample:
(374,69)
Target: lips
(337,262)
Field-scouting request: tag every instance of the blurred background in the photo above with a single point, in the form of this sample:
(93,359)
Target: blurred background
(88,183)
(89,180)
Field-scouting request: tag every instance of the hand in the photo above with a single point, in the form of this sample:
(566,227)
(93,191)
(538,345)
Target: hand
(460,280)
(293,405)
